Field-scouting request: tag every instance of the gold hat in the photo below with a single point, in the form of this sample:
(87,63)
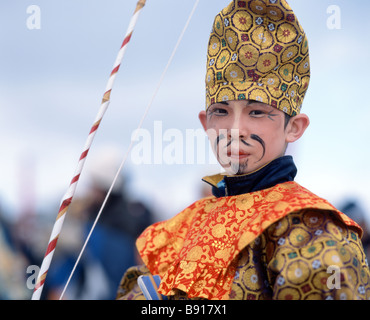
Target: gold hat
(258,51)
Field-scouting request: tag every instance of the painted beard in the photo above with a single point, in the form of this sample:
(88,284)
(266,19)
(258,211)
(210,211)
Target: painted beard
(239,167)
(225,158)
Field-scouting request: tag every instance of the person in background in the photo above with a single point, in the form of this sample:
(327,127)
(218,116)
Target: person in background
(111,248)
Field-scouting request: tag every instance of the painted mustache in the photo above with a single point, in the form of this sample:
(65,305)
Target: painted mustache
(252,136)
(259,139)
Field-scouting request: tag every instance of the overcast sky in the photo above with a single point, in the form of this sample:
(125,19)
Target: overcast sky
(52,79)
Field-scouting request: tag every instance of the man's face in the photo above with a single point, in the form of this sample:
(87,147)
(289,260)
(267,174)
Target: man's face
(244,135)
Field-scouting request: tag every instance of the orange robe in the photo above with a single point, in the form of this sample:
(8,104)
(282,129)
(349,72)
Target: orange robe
(276,243)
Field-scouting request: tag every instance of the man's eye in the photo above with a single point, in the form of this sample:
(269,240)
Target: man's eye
(219,111)
(222,111)
(257,113)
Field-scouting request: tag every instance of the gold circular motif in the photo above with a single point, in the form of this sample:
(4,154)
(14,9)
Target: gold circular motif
(313,219)
(344,293)
(251,279)
(248,55)
(210,77)
(289,53)
(311,251)
(319,280)
(218,26)
(262,38)
(226,94)
(304,85)
(160,239)
(304,66)
(286,33)
(234,73)
(286,72)
(279,261)
(334,231)
(293,91)
(279,228)
(214,46)
(274,13)
(240,86)
(232,39)
(314,296)
(223,254)
(236,293)
(242,20)
(273,83)
(285,106)
(222,59)
(332,258)
(274,196)
(267,62)
(298,237)
(351,275)
(289,294)
(259,95)
(194,253)
(298,272)
(218,231)
(258,7)
(199,285)
(304,46)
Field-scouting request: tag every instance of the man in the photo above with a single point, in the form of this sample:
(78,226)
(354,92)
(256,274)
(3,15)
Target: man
(262,235)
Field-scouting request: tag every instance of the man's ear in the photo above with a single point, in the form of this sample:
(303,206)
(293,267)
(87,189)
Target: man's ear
(203,119)
(296,127)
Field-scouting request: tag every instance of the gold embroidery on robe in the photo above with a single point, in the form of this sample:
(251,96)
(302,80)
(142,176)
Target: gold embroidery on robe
(200,252)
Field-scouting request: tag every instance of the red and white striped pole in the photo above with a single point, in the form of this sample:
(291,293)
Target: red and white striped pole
(67,199)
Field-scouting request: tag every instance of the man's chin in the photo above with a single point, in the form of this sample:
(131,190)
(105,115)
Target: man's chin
(236,168)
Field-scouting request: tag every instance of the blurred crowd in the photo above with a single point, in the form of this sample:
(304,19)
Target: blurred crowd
(109,252)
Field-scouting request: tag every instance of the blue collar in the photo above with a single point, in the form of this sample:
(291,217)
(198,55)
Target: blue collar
(277,171)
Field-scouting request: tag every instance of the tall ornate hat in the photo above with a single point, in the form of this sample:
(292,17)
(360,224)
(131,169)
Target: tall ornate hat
(258,51)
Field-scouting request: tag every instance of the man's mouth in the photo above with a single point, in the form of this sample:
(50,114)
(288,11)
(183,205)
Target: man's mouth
(237,154)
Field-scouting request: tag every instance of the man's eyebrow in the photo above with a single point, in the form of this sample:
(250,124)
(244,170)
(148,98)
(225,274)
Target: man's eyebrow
(226,103)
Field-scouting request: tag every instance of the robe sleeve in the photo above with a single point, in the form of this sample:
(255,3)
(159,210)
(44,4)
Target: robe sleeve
(313,254)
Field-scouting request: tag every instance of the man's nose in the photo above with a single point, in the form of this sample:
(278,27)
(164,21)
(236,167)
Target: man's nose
(238,130)
(234,134)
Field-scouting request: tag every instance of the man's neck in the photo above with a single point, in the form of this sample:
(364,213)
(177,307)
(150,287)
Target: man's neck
(277,171)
